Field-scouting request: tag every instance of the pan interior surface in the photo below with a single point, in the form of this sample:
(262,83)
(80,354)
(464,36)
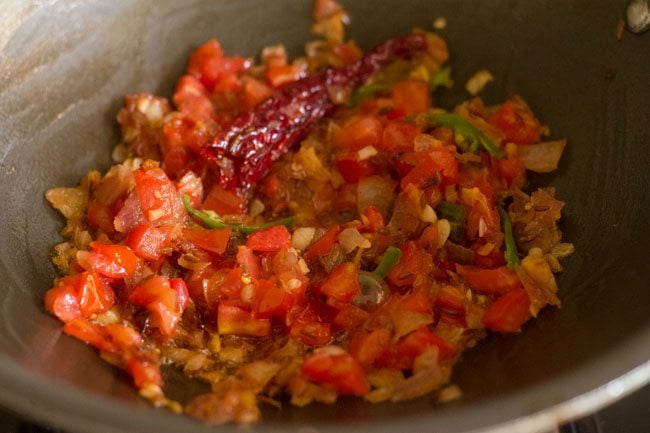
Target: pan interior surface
(66,65)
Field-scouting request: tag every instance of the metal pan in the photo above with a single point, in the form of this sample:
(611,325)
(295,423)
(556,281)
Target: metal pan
(66,64)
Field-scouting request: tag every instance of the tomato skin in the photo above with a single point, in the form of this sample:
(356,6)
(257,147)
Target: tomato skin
(255,92)
(147,240)
(342,284)
(402,354)
(341,372)
(232,319)
(269,240)
(411,97)
(399,136)
(366,348)
(213,240)
(451,298)
(352,168)
(489,281)
(95,296)
(112,261)
(509,312)
(89,332)
(324,245)
(249,262)
(358,133)
(182,294)
(517,122)
(374,218)
(62,301)
(269,300)
(144,371)
(311,324)
(438,162)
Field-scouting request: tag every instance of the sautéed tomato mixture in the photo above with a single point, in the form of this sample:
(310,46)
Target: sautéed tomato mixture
(299,231)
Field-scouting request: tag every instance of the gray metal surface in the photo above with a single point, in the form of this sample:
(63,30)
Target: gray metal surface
(65,66)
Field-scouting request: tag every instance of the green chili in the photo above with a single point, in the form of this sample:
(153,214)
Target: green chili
(451,211)
(468,132)
(441,78)
(511,254)
(212,220)
(388,261)
(366,91)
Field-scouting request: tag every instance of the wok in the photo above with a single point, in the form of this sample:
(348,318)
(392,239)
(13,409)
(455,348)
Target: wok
(65,66)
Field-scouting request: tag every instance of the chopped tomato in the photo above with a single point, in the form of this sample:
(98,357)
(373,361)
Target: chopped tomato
(213,240)
(159,200)
(398,136)
(493,259)
(324,245)
(278,76)
(415,261)
(144,368)
(223,202)
(101,216)
(517,122)
(342,284)
(511,169)
(349,316)
(268,240)
(192,186)
(489,281)
(482,218)
(90,333)
(411,97)
(270,300)
(366,348)
(191,98)
(310,324)
(372,219)
(148,241)
(402,354)
(208,64)
(255,92)
(113,261)
(435,167)
(95,296)
(451,298)
(341,372)
(508,312)
(352,168)
(182,294)
(232,319)
(249,262)
(62,300)
(161,300)
(347,52)
(358,133)
(324,9)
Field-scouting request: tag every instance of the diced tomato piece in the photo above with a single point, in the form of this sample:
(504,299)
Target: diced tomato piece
(358,133)
(255,92)
(436,165)
(95,296)
(349,316)
(489,281)
(89,332)
(414,261)
(249,262)
(372,219)
(352,168)
(208,64)
(113,261)
(278,76)
(192,186)
(347,52)
(398,136)
(223,202)
(342,284)
(411,97)
(493,259)
(232,319)
(312,333)
(270,300)
(226,83)
(341,372)
(158,197)
(100,216)
(144,370)
(311,324)
(123,337)
(161,300)
(186,129)
(517,122)
(191,98)
(62,300)
(324,245)
(482,218)
(509,312)
(213,240)
(268,240)
(182,295)
(366,348)
(147,241)
(402,354)
(324,9)
(511,169)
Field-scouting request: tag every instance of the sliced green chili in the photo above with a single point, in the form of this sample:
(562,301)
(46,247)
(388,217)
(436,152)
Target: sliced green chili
(451,211)
(468,132)
(441,78)
(388,260)
(366,91)
(212,220)
(511,254)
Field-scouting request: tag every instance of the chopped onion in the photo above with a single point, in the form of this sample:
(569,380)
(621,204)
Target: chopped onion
(302,265)
(541,157)
(302,237)
(350,239)
(366,153)
(440,23)
(424,142)
(478,81)
(190,262)
(330,350)
(444,229)
(428,215)
(256,208)
(375,191)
